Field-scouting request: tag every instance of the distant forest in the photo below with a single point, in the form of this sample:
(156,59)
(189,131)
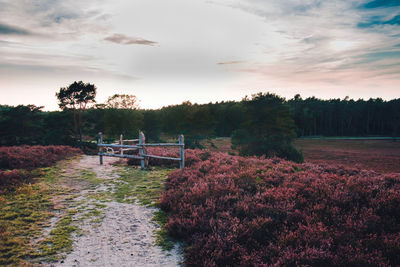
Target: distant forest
(312,117)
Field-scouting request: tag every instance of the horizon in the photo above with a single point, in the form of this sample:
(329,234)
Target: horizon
(43,108)
(166,53)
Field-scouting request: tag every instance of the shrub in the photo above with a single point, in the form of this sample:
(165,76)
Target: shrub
(18,162)
(30,157)
(235,211)
(9,179)
(268,129)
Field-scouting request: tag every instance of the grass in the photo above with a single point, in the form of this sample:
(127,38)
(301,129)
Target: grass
(220,144)
(137,185)
(38,221)
(24,215)
(145,187)
(90,177)
(59,239)
(163,240)
(102,196)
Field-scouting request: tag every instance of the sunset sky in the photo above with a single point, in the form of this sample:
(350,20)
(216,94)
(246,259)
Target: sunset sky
(169,51)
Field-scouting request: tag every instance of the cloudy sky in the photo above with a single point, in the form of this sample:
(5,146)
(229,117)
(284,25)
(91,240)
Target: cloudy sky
(169,51)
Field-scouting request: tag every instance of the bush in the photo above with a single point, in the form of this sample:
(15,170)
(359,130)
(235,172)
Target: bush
(235,211)
(289,152)
(9,179)
(193,141)
(268,129)
(30,157)
(18,162)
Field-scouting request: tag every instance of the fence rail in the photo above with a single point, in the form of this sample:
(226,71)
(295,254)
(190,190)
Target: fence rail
(165,144)
(118,146)
(141,146)
(121,156)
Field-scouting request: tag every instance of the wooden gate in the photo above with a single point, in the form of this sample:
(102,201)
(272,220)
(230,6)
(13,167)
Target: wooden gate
(117,150)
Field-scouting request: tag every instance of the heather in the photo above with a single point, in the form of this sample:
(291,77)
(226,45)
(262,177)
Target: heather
(236,211)
(30,157)
(379,155)
(12,178)
(17,162)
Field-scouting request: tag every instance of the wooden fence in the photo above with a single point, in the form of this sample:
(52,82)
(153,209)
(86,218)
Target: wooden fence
(117,150)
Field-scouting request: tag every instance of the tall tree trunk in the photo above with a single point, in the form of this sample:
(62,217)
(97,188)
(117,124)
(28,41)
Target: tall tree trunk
(80,126)
(80,137)
(75,123)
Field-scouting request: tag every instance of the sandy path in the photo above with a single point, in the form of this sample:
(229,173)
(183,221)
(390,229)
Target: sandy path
(125,235)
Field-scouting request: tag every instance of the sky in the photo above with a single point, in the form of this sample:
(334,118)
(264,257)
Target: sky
(169,51)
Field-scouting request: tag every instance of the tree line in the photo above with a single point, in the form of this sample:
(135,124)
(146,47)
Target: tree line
(264,116)
(346,117)
(29,124)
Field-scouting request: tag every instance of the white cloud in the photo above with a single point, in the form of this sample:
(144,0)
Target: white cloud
(204,50)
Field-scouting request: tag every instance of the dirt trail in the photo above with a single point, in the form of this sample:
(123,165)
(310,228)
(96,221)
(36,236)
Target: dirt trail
(123,233)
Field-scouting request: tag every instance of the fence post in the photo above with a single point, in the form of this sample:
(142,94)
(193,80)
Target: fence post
(142,140)
(182,151)
(121,142)
(100,141)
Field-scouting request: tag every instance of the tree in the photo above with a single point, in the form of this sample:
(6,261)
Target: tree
(122,102)
(152,125)
(58,127)
(122,121)
(76,97)
(268,128)
(121,116)
(21,125)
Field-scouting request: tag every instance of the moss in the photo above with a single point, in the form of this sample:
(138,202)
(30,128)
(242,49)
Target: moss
(162,238)
(100,206)
(144,186)
(72,211)
(90,177)
(23,214)
(59,239)
(93,213)
(100,196)
(97,221)
(26,212)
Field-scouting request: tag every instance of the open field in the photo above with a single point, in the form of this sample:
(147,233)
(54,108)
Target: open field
(378,155)
(219,144)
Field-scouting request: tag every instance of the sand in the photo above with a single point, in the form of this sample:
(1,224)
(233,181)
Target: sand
(125,235)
